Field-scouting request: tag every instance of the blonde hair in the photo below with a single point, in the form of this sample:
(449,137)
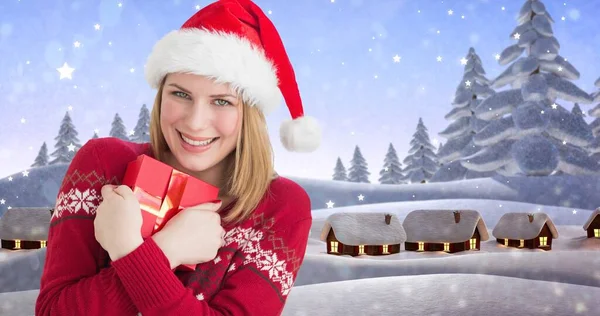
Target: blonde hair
(249,168)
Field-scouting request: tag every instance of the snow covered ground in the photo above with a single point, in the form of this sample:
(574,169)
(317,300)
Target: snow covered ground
(493,281)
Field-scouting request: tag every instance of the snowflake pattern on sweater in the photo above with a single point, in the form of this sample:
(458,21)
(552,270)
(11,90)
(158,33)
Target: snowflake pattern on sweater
(252,274)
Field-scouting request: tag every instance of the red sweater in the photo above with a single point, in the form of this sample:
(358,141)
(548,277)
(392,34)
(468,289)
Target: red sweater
(251,275)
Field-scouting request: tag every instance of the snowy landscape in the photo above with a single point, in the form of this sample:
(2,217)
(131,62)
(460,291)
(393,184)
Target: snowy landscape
(525,141)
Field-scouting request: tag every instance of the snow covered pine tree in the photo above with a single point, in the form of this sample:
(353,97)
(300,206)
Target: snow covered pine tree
(141,132)
(532,134)
(421,162)
(391,173)
(42,157)
(358,171)
(594,147)
(118,128)
(339,172)
(473,87)
(67,142)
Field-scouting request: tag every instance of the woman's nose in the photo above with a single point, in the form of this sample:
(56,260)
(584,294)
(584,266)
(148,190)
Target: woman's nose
(200,116)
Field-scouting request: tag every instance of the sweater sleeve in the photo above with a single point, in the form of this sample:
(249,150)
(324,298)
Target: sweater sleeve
(73,281)
(268,265)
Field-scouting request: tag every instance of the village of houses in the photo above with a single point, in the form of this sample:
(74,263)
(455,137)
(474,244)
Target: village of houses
(371,234)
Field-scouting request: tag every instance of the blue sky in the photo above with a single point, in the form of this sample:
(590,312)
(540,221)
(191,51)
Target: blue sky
(342,52)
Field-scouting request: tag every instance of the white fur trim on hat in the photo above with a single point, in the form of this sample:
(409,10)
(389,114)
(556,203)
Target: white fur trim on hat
(225,57)
(301,135)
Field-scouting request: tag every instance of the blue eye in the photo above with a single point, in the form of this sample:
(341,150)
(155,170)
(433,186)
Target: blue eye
(221,102)
(180,94)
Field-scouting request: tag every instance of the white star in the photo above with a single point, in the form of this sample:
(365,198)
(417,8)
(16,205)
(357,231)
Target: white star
(397,58)
(554,106)
(77,44)
(10,178)
(2,201)
(386,168)
(503,8)
(563,18)
(96,131)
(468,83)
(120,4)
(564,142)
(560,68)
(329,204)
(450,12)
(71,147)
(462,17)
(97,26)
(200,297)
(131,70)
(574,212)
(9,207)
(131,132)
(497,56)
(361,197)
(198,7)
(439,58)
(26,173)
(65,71)
(517,35)
(23,120)
(463,61)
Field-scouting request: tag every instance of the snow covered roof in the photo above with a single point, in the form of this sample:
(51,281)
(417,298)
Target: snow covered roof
(591,219)
(517,226)
(437,226)
(27,223)
(364,229)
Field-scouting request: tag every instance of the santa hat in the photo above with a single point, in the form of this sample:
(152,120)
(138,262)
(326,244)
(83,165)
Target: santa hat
(233,41)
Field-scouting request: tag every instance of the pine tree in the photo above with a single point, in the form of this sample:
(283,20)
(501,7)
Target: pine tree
(67,142)
(472,89)
(142,128)
(421,162)
(95,135)
(358,168)
(392,169)
(594,147)
(339,172)
(42,157)
(530,133)
(118,129)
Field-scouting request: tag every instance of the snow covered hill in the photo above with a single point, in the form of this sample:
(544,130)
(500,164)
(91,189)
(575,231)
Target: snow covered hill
(40,188)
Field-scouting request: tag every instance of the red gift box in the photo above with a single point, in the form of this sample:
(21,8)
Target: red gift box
(163,191)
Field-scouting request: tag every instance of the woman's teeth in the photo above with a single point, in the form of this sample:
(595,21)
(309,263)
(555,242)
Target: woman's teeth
(196,142)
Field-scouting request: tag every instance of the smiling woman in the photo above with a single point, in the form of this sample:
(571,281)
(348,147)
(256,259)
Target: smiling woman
(216,78)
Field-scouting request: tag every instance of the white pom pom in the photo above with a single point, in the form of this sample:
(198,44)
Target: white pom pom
(300,135)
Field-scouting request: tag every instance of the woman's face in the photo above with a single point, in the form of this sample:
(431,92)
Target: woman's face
(200,120)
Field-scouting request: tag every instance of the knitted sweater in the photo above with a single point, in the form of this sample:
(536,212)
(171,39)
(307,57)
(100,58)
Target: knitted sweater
(251,275)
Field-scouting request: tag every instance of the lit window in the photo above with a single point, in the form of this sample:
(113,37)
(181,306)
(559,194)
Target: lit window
(334,246)
(42,244)
(385,249)
(446,246)
(543,241)
(17,244)
(506,242)
(421,246)
(361,249)
(522,243)
(473,243)
(597,233)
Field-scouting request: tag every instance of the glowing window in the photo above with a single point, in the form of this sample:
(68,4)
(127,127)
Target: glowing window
(421,246)
(385,249)
(522,243)
(446,246)
(17,244)
(506,241)
(42,243)
(543,241)
(361,249)
(334,246)
(473,243)
(596,232)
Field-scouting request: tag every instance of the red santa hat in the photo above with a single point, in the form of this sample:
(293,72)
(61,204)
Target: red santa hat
(233,41)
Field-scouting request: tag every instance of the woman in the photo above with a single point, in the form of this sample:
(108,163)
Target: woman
(216,78)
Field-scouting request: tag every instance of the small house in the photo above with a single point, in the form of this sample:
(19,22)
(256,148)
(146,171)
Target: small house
(25,228)
(592,226)
(525,230)
(444,230)
(363,234)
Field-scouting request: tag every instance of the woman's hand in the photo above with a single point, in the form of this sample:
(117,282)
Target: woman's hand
(118,221)
(192,236)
